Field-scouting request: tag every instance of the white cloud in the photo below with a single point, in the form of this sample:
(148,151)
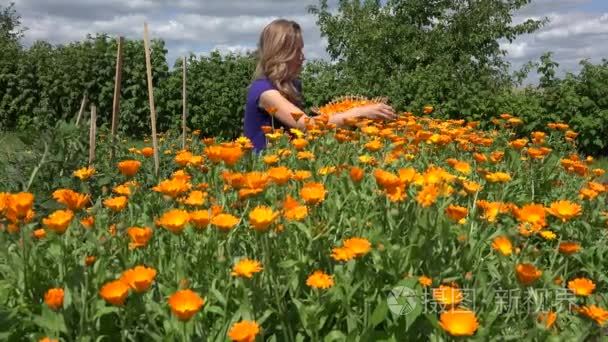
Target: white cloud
(234,25)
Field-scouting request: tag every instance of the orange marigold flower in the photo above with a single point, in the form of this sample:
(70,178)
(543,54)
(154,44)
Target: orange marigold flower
(173,187)
(294,211)
(139,278)
(48,339)
(498,177)
(301,175)
(89,260)
(320,280)
(88,222)
(586,193)
(147,151)
(359,246)
(299,143)
(84,173)
(244,331)
(305,155)
(114,292)
(565,210)
(139,236)
(53,298)
(246,268)
(39,233)
(581,286)
(428,195)
(313,193)
(533,214)
(261,217)
(594,312)
(356,174)
(425,281)
(342,254)
(185,303)
(200,218)
(19,205)
(196,198)
(117,203)
(547,318)
(459,322)
(569,247)
(470,187)
(271,159)
(71,199)
(224,221)
(129,168)
(527,273)
(174,220)
(58,221)
(447,295)
(503,245)
(279,175)
(456,212)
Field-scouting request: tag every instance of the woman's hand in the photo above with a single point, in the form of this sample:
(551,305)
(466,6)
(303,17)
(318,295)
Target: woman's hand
(377,111)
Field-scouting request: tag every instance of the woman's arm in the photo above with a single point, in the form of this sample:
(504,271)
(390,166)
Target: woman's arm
(284,108)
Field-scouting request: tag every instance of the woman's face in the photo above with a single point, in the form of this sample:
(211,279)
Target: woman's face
(295,65)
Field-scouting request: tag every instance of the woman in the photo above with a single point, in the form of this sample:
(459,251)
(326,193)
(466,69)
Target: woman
(276,85)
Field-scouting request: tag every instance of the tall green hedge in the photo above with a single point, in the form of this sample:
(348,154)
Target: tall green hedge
(43,84)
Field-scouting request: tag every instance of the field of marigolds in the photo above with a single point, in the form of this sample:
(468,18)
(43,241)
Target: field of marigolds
(416,229)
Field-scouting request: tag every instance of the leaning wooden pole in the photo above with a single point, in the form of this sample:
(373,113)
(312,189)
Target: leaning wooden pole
(116,102)
(184,103)
(82,106)
(92,134)
(151,99)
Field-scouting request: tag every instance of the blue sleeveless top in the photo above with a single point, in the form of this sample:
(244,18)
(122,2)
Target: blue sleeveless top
(256,117)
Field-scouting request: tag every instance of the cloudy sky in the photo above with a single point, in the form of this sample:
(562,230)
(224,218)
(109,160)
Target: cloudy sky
(578,28)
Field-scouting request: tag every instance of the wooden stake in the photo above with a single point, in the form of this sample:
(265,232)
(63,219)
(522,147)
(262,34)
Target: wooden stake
(92,134)
(151,98)
(81,111)
(184,104)
(116,103)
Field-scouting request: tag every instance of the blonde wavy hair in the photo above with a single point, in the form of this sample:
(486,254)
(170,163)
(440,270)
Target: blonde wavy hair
(280,45)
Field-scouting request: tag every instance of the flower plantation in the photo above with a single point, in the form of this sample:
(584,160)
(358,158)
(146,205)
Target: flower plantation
(308,240)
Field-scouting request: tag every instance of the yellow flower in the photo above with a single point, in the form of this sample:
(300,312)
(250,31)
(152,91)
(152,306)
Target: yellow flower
(261,217)
(503,245)
(581,286)
(447,295)
(565,210)
(84,173)
(459,322)
(246,268)
(174,220)
(320,280)
(498,177)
